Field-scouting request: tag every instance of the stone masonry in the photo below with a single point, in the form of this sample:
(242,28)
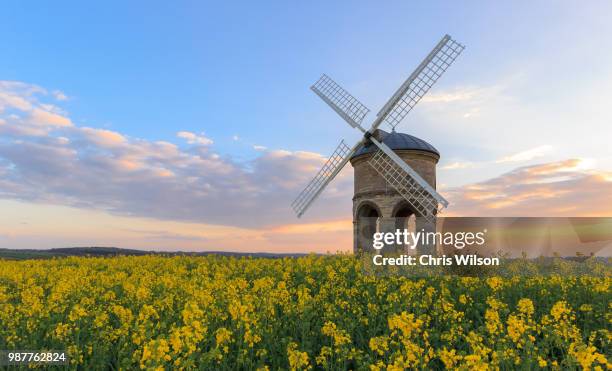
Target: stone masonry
(376,204)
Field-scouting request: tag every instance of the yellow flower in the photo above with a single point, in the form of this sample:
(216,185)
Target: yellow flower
(175,341)
(516,327)
(449,358)
(214,312)
(297,360)
(560,311)
(77,312)
(492,321)
(380,345)
(323,356)
(340,336)
(587,355)
(405,322)
(62,330)
(222,336)
(541,362)
(495,283)
(525,306)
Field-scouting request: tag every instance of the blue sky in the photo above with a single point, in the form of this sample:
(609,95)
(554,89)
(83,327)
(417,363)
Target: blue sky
(532,86)
(227,68)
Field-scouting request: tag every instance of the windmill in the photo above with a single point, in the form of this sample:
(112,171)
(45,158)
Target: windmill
(397,173)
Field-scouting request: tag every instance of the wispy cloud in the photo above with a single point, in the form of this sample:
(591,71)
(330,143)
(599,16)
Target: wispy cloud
(457,165)
(463,101)
(523,156)
(527,155)
(457,94)
(59,95)
(193,138)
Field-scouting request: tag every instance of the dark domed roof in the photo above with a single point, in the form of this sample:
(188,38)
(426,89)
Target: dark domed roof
(397,141)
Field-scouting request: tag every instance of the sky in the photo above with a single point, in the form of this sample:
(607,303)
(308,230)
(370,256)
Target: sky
(190,125)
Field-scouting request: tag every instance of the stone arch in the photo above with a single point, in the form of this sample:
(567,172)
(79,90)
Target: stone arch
(367,219)
(367,209)
(403,209)
(405,216)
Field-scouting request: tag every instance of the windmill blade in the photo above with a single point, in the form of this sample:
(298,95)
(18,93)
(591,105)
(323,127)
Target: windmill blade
(328,172)
(405,167)
(419,82)
(421,196)
(422,202)
(340,100)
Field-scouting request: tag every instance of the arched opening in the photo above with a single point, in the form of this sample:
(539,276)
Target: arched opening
(405,218)
(368,217)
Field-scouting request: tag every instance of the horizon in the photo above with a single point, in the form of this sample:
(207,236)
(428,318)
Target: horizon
(194,128)
(268,254)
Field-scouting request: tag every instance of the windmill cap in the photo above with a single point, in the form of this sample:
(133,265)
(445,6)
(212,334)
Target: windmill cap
(396,141)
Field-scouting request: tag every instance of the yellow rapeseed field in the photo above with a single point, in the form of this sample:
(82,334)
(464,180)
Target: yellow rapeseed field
(315,312)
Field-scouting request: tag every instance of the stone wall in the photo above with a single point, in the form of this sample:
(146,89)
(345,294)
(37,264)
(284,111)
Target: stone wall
(372,188)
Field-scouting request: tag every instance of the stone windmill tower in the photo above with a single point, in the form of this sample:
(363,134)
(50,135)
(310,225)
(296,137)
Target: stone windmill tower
(395,173)
(378,206)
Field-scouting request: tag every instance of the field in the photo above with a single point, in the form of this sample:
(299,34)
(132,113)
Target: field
(313,312)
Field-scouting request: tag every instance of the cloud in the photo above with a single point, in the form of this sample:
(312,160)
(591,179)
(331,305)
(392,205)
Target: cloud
(457,165)
(527,155)
(59,95)
(99,169)
(103,138)
(462,102)
(23,114)
(96,169)
(454,95)
(259,148)
(192,138)
(562,188)
(157,235)
(512,113)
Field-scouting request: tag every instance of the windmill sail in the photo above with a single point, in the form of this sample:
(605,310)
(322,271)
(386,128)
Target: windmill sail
(422,196)
(340,100)
(393,157)
(330,169)
(419,82)
(408,183)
